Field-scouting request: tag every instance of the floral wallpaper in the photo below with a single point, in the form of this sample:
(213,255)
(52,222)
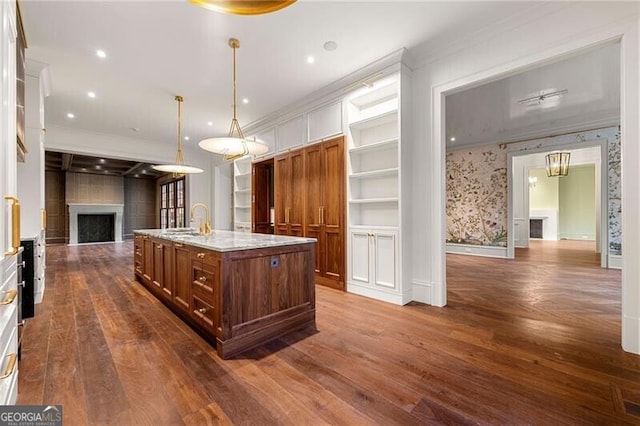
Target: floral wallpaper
(477,196)
(477,188)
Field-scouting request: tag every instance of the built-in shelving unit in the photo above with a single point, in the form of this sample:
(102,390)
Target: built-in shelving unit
(242,194)
(375,170)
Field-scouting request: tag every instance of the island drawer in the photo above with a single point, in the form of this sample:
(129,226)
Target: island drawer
(205,256)
(203,282)
(204,313)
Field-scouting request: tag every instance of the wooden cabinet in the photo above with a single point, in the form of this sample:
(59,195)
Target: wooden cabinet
(262,197)
(147,264)
(181,279)
(289,187)
(324,212)
(138,255)
(373,260)
(162,277)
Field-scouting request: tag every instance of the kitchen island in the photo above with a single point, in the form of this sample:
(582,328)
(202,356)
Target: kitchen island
(238,290)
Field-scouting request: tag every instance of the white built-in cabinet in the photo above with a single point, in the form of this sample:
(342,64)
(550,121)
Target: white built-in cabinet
(242,194)
(8,187)
(377,178)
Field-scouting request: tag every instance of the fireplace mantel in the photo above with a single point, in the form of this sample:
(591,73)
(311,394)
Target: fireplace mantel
(91,208)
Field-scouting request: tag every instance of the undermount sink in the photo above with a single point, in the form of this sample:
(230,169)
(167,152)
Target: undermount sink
(181,231)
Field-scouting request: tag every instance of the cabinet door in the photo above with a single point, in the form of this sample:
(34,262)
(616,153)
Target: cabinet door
(333,200)
(360,257)
(147,267)
(313,192)
(297,189)
(282,179)
(385,248)
(182,277)
(158,264)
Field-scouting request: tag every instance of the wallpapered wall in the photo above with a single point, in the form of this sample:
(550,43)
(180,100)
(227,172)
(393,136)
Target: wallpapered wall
(477,189)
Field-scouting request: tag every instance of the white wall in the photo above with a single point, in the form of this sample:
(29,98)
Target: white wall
(552,29)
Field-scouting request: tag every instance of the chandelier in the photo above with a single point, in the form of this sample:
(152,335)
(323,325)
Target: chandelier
(234,145)
(243,7)
(179,168)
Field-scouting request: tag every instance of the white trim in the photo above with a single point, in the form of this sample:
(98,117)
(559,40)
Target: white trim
(375,293)
(615,261)
(76,209)
(422,291)
(631,327)
(475,250)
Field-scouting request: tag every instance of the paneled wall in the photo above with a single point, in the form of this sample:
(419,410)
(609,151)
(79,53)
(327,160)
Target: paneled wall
(140,210)
(90,188)
(57,217)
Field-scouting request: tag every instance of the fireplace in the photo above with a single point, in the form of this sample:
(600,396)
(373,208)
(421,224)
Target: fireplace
(89,222)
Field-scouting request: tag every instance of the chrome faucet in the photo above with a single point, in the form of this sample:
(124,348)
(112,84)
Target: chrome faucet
(205,228)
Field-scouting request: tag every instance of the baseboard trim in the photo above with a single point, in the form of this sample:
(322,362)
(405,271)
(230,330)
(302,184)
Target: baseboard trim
(422,291)
(631,334)
(374,293)
(473,250)
(615,261)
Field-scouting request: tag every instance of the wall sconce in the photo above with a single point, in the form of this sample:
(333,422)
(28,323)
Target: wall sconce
(558,164)
(532,181)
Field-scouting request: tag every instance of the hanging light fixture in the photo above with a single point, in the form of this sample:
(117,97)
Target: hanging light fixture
(179,168)
(234,145)
(557,163)
(244,7)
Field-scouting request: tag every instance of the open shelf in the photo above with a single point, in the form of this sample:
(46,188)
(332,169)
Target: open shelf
(243,190)
(374,147)
(374,200)
(378,120)
(375,173)
(242,207)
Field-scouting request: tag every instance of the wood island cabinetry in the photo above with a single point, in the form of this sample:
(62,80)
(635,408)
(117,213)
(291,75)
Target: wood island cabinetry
(239,290)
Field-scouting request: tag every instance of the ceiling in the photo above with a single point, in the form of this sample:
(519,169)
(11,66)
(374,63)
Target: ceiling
(159,49)
(498,111)
(66,162)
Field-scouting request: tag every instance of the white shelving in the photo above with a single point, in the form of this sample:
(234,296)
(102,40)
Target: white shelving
(242,194)
(375,190)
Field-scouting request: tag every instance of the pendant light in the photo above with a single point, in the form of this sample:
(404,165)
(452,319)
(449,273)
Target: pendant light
(558,164)
(179,168)
(234,145)
(244,7)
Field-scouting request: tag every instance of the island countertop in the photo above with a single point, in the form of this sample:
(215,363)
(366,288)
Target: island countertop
(224,241)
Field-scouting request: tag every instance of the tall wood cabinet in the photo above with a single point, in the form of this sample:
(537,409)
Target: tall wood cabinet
(289,187)
(324,171)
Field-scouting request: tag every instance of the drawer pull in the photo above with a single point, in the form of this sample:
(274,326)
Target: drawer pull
(159,246)
(15,225)
(11,365)
(21,283)
(203,278)
(200,255)
(178,245)
(202,310)
(11,295)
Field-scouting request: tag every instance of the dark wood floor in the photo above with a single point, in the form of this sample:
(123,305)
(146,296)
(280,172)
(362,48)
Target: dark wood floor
(529,341)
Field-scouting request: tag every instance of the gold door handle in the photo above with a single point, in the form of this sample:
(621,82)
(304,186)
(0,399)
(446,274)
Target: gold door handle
(200,255)
(11,365)
(319,215)
(178,245)
(322,217)
(15,225)
(44,219)
(11,295)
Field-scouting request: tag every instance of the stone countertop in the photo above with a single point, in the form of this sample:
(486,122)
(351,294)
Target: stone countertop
(224,241)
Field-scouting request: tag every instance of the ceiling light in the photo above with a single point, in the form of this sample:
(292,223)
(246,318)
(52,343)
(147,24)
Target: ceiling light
(102,160)
(70,115)
(101,53)
(542,96)
(557,163)
(144,171)
(186,138)
(98,166)
(452,139)
(245,100)
(330,46)
(244,7)
(234,145)
(179,168)
(210,123)
(136,175)
(91,94)
(310,59)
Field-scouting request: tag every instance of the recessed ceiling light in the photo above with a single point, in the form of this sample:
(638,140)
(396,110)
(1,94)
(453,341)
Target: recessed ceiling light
(245,100)
(136,175)
(91,94)
(102,160)
(452,139)
(330,46)
(98,166)
(144,171)
(70,115)
(101,53)
(210,123)
(310,59)
(84,169)
(186,138)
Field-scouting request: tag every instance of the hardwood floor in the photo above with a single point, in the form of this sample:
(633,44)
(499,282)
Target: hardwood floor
(522,342)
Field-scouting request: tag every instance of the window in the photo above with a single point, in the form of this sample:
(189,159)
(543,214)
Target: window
(172,204)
